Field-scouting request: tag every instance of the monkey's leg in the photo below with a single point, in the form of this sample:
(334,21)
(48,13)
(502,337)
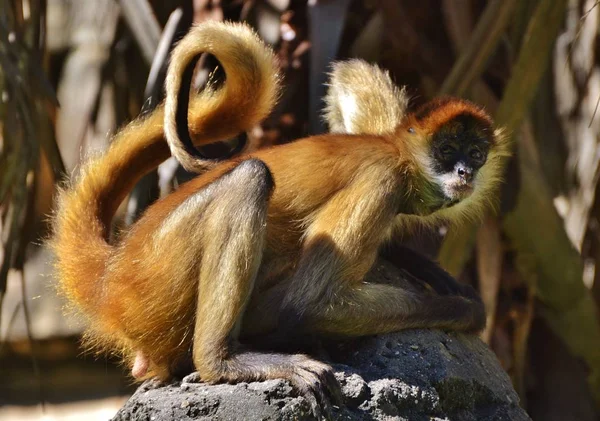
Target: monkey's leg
(327,293)
(369,309)
(355,307)
(233,227)
(365,308)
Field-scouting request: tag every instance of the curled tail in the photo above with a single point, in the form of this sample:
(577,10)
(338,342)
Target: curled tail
(251,88)
(85,208)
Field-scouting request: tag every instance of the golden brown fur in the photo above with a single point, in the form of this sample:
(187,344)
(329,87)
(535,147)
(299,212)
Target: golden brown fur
(85,209)
(230,254)
(248,96)
(362,99)
(489,177)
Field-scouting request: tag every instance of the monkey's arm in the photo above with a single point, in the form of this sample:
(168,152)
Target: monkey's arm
(328,294)
(421,269)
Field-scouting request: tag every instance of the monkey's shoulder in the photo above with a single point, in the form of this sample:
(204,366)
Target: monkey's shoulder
(333,150)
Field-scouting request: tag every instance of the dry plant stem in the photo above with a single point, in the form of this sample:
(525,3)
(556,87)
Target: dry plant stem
(14,193)
(368,43)
(326,22)
(522,14)
(22,128)
(9,325)
(486,36)
(577,87)
(35,36)
(532,61)
(403,36)
(567,306)
(161,57)
(489,269)
(49,145)
(143,24)
(520,345)
(33,354)
(459,23)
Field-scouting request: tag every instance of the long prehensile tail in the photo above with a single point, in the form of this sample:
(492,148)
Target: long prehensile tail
(86,207)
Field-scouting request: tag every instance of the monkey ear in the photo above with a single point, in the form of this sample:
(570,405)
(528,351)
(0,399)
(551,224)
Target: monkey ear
(362,99)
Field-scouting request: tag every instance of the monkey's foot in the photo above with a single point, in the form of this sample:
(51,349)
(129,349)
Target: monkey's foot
(312,379)
(192,378)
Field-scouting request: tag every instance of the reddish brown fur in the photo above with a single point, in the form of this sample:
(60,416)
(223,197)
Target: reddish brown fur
(307,173)
(85,209)
(217,249)
(439,111)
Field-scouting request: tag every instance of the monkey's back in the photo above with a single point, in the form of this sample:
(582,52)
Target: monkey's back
(150,293)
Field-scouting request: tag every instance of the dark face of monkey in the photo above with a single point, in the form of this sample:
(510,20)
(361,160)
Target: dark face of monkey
(458,150)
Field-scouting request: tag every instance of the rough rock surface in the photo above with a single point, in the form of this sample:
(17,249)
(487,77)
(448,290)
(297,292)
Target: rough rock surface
(419,375)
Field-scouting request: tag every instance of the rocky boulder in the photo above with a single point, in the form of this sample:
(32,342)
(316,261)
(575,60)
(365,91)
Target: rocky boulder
(416,375)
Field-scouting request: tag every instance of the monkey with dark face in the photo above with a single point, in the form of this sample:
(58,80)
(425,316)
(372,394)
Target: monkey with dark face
(279,240)
(459,150)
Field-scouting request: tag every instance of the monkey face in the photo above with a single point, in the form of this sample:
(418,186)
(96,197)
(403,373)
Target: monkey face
(458,150)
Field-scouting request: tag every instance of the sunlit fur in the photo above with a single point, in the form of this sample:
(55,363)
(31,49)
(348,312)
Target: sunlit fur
(485,195)
(251,90)
(85,208)
(231,255)
(383,110)
(362,99)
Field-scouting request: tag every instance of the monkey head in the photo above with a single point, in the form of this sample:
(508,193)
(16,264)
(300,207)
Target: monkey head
(459,154)
(459,149)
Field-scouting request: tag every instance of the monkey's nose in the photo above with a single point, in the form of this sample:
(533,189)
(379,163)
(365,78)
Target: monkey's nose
(465,173)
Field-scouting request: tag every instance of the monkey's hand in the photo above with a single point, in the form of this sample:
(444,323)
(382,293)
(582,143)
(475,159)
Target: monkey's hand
(427,273)
(312,379)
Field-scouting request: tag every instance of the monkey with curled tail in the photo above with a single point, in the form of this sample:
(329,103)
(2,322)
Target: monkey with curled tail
(276,241)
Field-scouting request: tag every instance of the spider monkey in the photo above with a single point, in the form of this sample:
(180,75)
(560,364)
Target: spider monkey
(278,239)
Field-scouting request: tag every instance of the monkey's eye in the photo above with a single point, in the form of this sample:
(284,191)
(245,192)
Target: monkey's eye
(447,150)
(476,155)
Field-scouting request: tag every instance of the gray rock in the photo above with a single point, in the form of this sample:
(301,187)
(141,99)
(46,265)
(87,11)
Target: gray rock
(418,375)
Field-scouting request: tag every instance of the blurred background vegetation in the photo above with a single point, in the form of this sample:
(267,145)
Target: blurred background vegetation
(534,64)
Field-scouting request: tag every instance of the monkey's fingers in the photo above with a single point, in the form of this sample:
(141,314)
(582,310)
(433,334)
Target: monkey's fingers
(310,384)
(327,379)
(317,384)
(313,393)
(419,283)
(192,378)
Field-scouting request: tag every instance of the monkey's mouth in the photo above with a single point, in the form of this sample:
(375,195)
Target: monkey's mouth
(456,192)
